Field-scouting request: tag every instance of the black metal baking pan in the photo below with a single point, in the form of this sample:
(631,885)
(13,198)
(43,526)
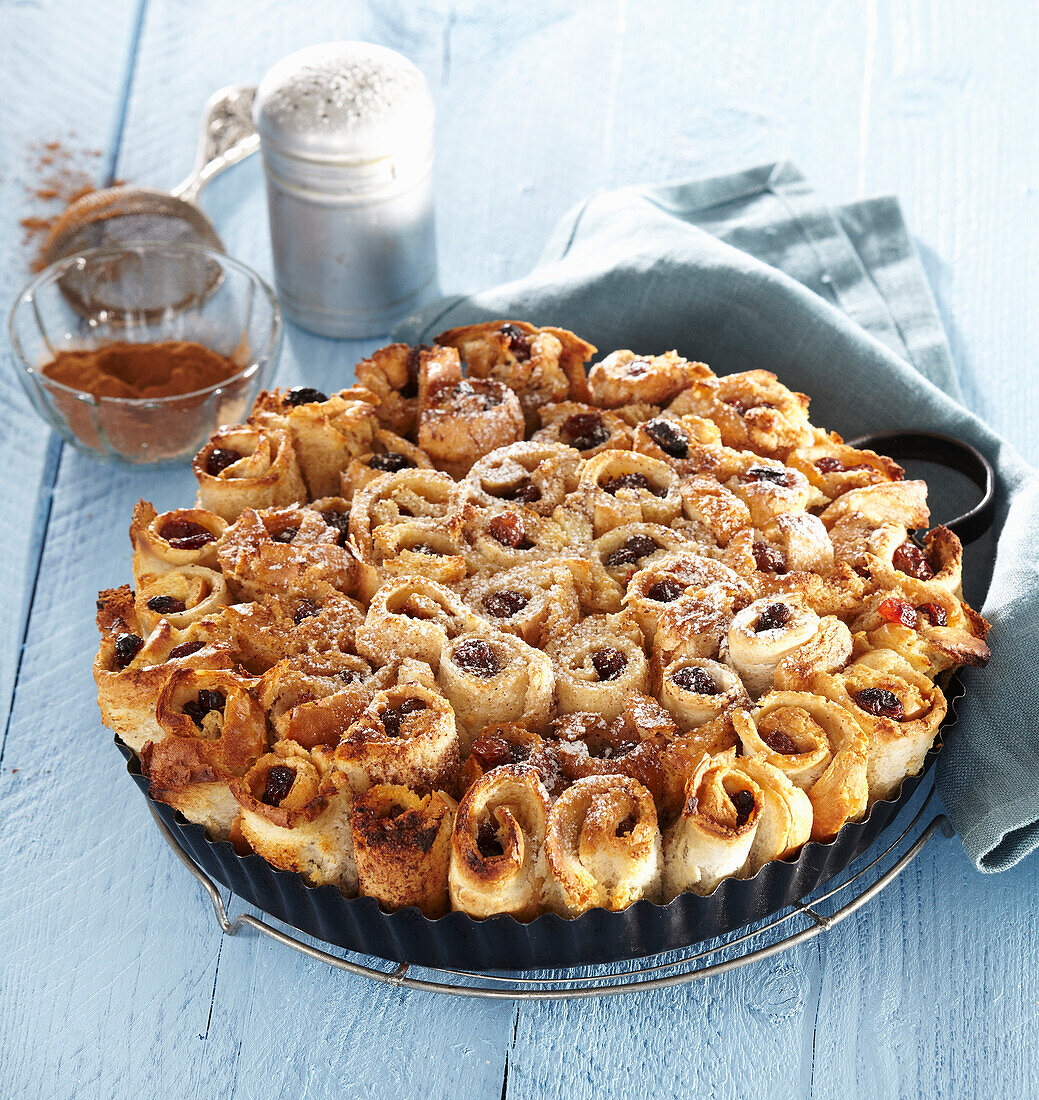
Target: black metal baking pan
(457,941)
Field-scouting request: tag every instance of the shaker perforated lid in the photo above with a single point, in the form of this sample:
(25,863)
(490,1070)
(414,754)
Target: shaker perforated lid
(345,102)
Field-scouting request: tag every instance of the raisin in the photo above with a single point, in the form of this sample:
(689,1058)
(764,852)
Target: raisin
(305,610)
(743,802)
(773,617)
(166,605)
(505,604)
(279,782)
(206,700)
(219,459)
(390,462)
(665,591)
(412,365)
(487,842)
(627,481)
(634,550)
(935,612)
(185,649)
(184,534)
(423,548)
(767,473)
(911,560)
(524,491)
(392,717)
(491,751)
(127,647)
(744,407)
(350,676)
(898,611)
(609,663)
(829,465)
(778,741)
(668,436)
(339,522)
(508,529)
(519,342)
(696,679)
(585,431)
(626,827)
(476,657)
(881,703)
(303,395)
(769,559)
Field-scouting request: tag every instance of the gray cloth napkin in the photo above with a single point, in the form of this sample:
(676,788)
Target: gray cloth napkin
(753,270)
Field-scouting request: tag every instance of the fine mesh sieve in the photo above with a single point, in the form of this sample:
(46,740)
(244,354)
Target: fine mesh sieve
(117,216)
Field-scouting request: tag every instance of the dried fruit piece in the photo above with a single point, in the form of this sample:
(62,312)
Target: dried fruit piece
(279,782)
(881,703)
(390,462)
(695,679)
(185,534)
(126,648)
(509,530)
(935,613)
(668,436)
(768,473)
(306,609)
(166,605)
(303,395)
(743,802)
(585,431)
(505,604)
(519,342)
(475,656)
(895,610)
(774,616)
(219,459)
(393,716)
(491,751)
(609,663)
(185,649)
(665,591)
(287,534)
(769,559)
(487,841)
(340,521)
(206,700)
(911,560)
(633,551)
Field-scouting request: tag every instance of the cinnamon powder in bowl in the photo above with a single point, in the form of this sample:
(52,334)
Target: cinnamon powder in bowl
(145,384)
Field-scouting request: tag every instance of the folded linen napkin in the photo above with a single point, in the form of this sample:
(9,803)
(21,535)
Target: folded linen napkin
(754,270)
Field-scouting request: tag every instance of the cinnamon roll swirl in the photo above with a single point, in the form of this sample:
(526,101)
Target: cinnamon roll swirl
(688,444)
(492,677)
(410,616)
(785,822)
(834,468)
(297,818)
(586,428)
(939,561)
(419,498)
(406,735)
(290,551)
(696,690)
(389,454)
(602,846)
(326,432)
(763,634)
(925,624)
(181,596)
(818,745)
(753,409)
(245,467)
(623,487)
(498,838)
(184,536)
(625,550)
(539,475)
(599,664)
(624,378)
(769,489)
(461,419)
(712,837)
(896,502)
(540,365)
(713,509)
(213,730)
(898,709)
(391,374)
(533,602)
(402,845)
(520,536)
(313,699)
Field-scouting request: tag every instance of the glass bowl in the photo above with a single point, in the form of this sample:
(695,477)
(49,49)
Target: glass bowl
(144,293)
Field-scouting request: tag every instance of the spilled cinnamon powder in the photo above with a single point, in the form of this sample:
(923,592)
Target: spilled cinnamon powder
(166,368)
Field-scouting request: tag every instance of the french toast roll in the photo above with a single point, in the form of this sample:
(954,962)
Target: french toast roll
(180,595)
(248,467)
(533,601)
(588,429)
(695,690)
(182,536)
(539,475)
(624,378)
(391,375)
(496,849)
(622,487)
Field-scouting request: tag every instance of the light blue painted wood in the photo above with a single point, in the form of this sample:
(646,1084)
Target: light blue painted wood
(115,981)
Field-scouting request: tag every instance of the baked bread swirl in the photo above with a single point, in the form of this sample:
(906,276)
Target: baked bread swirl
(651,626)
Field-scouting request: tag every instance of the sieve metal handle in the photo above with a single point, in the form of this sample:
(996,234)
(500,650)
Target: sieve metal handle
(228,136)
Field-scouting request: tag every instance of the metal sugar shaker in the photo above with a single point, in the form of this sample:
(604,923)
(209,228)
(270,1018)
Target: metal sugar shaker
(346,134)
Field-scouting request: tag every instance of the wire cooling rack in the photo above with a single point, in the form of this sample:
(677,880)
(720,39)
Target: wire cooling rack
(787,929)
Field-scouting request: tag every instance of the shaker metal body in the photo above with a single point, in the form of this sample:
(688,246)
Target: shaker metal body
(346,133)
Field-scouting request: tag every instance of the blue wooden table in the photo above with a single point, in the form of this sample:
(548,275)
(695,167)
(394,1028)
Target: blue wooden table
(115,981)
